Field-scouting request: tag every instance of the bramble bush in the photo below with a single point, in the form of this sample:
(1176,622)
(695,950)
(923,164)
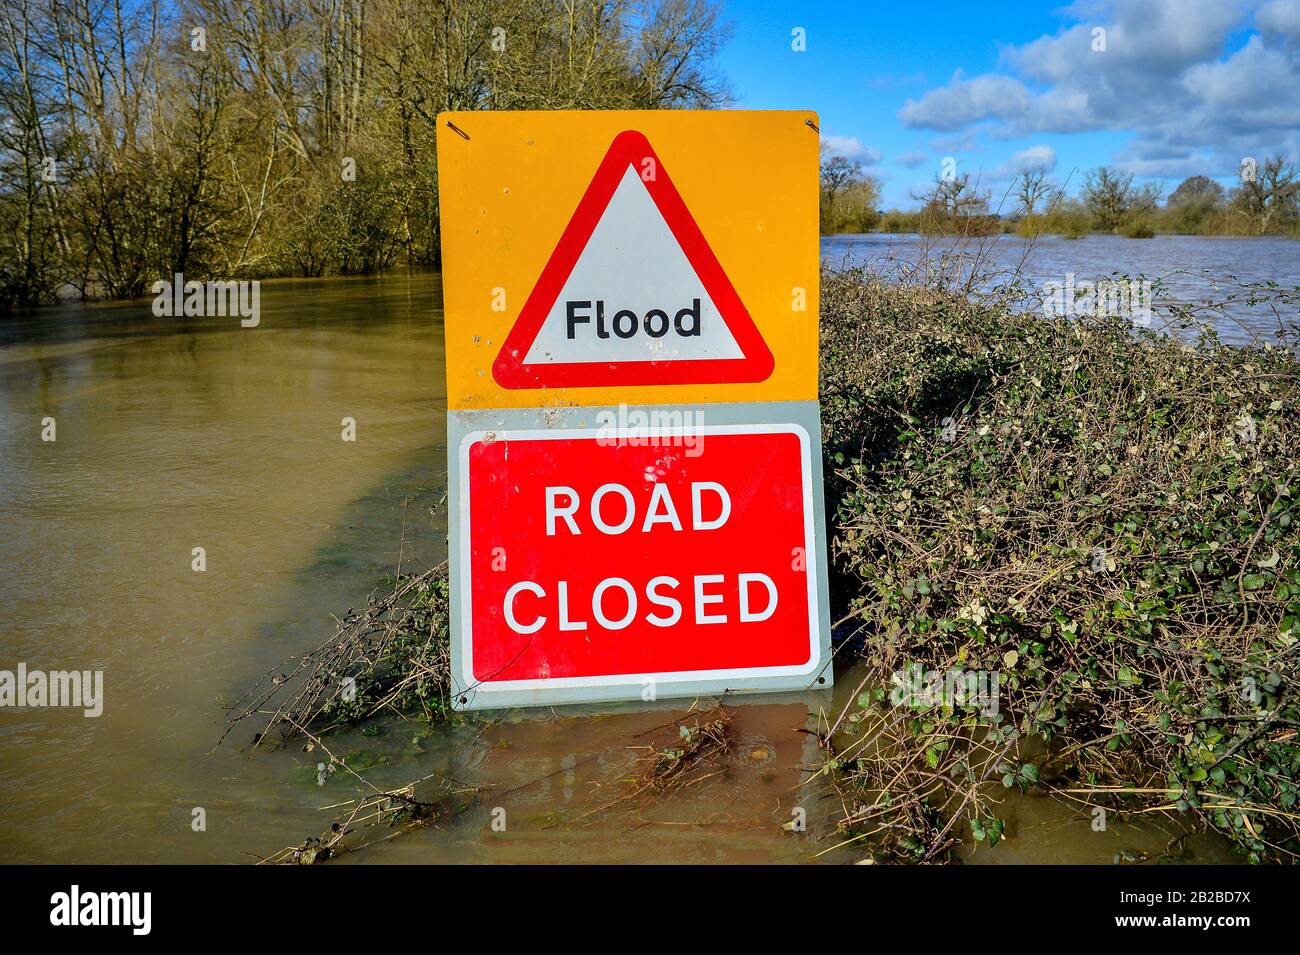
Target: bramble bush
(1102,514)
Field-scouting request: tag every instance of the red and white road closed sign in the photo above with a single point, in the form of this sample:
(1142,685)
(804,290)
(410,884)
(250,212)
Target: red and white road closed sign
(633,434)
(594,560)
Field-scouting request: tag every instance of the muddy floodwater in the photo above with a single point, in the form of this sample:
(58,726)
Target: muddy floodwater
(176,434)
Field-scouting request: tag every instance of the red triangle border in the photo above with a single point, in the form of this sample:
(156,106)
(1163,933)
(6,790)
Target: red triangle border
(630,148)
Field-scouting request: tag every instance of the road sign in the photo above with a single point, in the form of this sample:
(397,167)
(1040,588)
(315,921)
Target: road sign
(634,440)
(610,560)
(639,257)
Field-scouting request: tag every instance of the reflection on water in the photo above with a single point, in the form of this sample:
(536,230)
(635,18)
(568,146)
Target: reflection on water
(175,434)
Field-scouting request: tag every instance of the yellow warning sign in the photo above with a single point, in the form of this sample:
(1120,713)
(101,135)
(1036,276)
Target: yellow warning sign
(596,258)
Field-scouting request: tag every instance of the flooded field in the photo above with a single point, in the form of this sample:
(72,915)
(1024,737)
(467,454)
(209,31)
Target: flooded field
(173,436)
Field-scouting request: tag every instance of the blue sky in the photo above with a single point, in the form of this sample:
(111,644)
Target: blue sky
(1181,86)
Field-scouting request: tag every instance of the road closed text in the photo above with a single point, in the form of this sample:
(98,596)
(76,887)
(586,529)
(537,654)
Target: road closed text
(562,507)
(659,593)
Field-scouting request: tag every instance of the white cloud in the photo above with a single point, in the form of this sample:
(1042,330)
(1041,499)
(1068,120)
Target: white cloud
(850,147)
(1041,157)
(963,102)
(1035,157)
(1166,75)
(1142,37)
(1281,17)
(1250,84)
(967,141)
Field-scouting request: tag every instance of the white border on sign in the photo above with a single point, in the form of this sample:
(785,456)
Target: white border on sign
(624,679)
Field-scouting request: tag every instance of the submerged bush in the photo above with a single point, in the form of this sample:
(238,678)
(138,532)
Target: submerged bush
(391,656)
(1138,227)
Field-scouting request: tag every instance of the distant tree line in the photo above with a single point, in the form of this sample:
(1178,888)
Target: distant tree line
(1265,201)
(247,138)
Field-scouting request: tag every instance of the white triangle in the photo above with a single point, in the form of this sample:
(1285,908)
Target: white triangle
(632,262)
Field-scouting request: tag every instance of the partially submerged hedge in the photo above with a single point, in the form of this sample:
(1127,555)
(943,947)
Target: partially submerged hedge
(1106,518)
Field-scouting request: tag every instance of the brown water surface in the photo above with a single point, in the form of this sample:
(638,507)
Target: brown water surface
(175,434)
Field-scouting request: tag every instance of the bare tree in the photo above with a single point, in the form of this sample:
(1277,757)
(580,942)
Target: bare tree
(1198,189)
(1270,195)
(1108,195)
(674,55)
(836,173)
(1032,187)
(140,137)
(31,156)
(955,197)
